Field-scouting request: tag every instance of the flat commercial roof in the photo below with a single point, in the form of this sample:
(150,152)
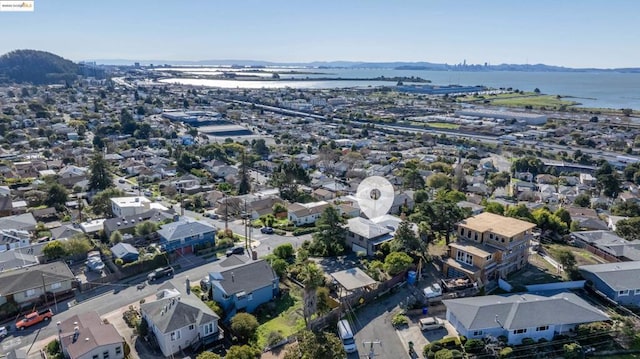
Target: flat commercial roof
(353,278)
(504,226)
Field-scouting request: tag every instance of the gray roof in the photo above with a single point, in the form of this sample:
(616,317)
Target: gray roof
(353,278)
(127,222)
(31,277)
(92,333)
(170,314)
(66,231)
(184,228)
(518,311)
(122,249)
(22,221)
(366,228)
(610,243)
(618,276)
(238,273)
(15,259)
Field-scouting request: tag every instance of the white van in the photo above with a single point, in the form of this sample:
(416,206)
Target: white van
(346,335)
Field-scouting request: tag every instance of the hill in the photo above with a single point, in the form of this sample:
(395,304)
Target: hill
(36,67)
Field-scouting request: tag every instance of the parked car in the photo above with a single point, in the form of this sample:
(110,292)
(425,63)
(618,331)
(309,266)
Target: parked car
(431,323)
(3,332)
(266,230)
(433,293)
(33,318)
(159,273)
(236,250)
(94,262)
(121,180)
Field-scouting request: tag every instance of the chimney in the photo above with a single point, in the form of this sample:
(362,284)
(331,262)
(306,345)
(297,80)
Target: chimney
(233,278)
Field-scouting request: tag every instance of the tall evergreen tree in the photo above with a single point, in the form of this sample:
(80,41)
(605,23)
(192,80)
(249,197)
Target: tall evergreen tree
(99,178)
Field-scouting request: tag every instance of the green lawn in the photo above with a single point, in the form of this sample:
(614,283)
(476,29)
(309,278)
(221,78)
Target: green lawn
(286,317)
(548,101)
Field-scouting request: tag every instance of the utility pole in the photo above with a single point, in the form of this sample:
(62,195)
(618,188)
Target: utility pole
(372,354)
(44,290)
(246,220)
(226,212)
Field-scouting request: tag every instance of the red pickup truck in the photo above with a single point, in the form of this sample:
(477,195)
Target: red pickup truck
(34,317)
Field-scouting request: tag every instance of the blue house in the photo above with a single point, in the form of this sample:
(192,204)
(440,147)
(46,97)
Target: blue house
(182,236)
(619,281)
(125,251)
(239,283)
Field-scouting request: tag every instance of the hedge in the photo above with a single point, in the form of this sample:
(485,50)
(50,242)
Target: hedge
(303,231)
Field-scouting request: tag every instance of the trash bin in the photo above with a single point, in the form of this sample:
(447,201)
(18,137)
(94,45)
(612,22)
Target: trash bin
(425,310)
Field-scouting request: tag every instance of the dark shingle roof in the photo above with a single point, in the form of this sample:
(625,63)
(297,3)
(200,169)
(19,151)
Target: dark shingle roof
(170,314)
(238,273)
(31,277)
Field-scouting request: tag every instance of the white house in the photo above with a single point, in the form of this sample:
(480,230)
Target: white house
(180,320)
(519,316)
(131,206)
(306,213)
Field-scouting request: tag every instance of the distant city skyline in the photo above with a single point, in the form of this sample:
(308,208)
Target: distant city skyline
(579,34)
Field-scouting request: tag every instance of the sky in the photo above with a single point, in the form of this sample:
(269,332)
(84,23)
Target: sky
(576,33)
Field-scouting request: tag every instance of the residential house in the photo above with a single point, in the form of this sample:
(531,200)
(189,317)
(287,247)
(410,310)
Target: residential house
(12,239)
(25,285)
(130,206)
(18,258)
(6,206)
(306,213)
(86,336)
(402,202)
(365,236)
(475,209)
(620,282)
(180,320)
(65,232)
(586,218)
(182,236)
(127,224)
(519,316)
(607,245)
(323,194)
(125,251)
(489,246)
(239,283)
(24,222)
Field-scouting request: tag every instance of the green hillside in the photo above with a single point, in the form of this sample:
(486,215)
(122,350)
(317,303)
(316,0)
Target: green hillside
(36,67)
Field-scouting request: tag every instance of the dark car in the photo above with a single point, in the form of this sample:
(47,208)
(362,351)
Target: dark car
(266,230)
(159,273)
(236,250)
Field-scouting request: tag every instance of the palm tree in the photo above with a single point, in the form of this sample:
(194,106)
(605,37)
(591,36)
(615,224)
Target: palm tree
(312,277)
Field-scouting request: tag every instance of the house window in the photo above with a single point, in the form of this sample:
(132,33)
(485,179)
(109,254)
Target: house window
(208,328)
(118,350)
(31,292)
(489,257)
(502,240)
(477,333)
(56,285)
(542,328)
(105,355)
(519,331)
(623,293)
(250,296)
(637,292)
(175,335)
(191,326)
(476,237)
(95,356)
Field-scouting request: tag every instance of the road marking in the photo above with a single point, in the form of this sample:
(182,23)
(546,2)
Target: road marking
(11,343)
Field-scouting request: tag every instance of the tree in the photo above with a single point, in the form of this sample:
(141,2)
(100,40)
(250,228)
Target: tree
(572,351)
(533,165)
(413,179)
(101,202)
(208,355)
(245,183)
(495,208)
(261,148)
(324,298)
(242,352)
(284,251)
(405,239)
(57,196)
(439,180)
(582,200)
(280,266)
(311,277)
(146,228)
(520,212)
(626,209)
(567,259)
(77,245)
(545,220)
(54,250)
(329,239)
(499,179)
(99,177)
(536,90)
(397,262)
(629,229)
(607,180)
(564,216)
(311,345)
(287,177)
(115,238)
(244,325)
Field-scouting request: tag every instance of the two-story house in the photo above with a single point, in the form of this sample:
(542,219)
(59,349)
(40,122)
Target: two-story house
(86,336)
(180,320)
(25,285)
(131,206)
(519,316)
(365,236)
(489,246)
(182,236)
(239,283)
(618,281)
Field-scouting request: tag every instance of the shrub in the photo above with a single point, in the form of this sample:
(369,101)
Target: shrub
(399,320)
(444,354)
(142,328)
(215,307)
(506,353)
(284,251)
(224,243)
(244,325)
(303,231)
(280,267)
(456,354)
(474,346)
(274,338)
(131,317)
(528,341)
(119,262)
